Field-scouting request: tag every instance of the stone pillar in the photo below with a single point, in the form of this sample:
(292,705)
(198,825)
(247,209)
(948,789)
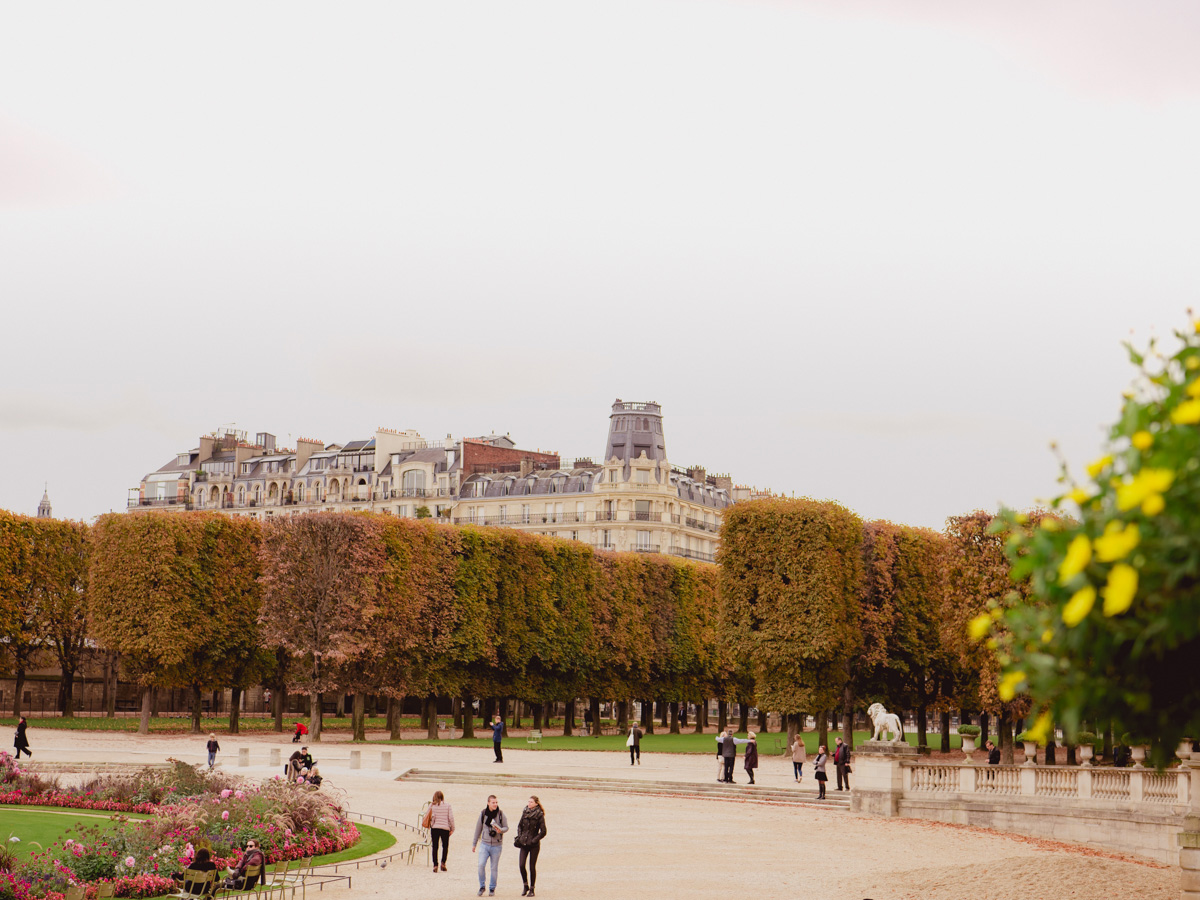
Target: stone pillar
(385,761)
(243,756)
(275,757)
(1189,838)
(356,759)
(879,777)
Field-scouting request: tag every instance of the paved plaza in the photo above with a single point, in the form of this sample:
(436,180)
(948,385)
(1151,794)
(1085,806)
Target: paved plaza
(616,845)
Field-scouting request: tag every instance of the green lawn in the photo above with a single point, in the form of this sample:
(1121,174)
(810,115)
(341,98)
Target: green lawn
(43,825)
(657,743)
(182,724)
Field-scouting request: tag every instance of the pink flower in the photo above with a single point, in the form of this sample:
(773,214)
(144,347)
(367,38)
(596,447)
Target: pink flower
(227,793)
(225,815)
(299,780)
(129,861)
(239,794)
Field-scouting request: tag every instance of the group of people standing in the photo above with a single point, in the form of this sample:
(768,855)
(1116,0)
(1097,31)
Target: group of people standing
(490,828)
(727,746)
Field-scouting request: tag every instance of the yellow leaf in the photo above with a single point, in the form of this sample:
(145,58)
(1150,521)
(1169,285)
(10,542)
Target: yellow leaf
(1079,554)
(1186,413)
(1117,542)
(979,626)
(1120,590)
(1079,606)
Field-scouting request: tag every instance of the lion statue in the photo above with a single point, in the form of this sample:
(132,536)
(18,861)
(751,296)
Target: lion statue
(883,721)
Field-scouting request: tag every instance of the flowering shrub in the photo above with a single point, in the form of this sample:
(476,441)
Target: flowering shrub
(289,822)
(1116,632)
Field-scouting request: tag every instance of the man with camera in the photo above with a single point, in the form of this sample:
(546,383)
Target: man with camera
(489,830)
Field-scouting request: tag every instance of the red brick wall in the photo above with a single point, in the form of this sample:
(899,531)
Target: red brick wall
(481,457)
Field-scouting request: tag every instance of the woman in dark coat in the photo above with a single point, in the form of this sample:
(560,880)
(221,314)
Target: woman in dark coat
(530,831)
(751,757)
(20,741)
(819,770)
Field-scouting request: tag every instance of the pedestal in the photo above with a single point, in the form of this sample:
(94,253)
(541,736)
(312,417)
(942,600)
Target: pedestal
(274,757)
(879,777)
(385,761)
(356,759)
(243,756)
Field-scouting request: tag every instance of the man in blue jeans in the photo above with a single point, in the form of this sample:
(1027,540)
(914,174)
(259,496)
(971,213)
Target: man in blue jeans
(497,734)
(489,832)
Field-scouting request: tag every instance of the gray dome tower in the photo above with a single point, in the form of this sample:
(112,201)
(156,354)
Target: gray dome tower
(633,429)
(44,506)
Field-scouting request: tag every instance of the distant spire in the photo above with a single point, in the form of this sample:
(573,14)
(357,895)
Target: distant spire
(44,507)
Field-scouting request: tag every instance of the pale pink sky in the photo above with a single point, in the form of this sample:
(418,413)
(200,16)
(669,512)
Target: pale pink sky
(876,251)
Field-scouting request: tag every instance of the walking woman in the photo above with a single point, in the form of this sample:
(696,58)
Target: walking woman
(441,826)
(20,741)
(799,757)
(212,746)
(530,831)
(751,757)
(819,769)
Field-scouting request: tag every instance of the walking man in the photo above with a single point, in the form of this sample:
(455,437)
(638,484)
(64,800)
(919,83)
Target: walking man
(497,735)
(489,833)
(841,761)
(634,743)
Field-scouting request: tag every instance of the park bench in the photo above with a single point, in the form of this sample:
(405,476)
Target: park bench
(197,884)
(535,737)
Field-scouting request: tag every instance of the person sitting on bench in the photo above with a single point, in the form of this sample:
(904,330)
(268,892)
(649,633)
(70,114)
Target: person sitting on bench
(238,879)
(202,862)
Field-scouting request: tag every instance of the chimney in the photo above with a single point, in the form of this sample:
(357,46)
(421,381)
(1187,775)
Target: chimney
(306,447)
(207,442)
(526,466)
(723,483)
(697,473)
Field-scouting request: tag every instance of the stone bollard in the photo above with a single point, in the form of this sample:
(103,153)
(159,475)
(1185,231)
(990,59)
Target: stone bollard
(385,761)
(275,763)
(1189,865)
(356,759)
(243,756)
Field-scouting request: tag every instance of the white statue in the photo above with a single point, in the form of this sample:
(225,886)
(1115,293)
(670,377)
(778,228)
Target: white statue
(885,721)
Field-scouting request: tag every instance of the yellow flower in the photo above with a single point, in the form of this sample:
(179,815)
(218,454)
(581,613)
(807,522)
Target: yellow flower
(1196,325)
(1009,684)
(1193,389)
(1143,484)
(979,626)
(1079,606)
(1193,362)
(1095,468)
(1143,439)
(1153,505)
(1079,554)
(1047,636)
(1079,495)
(1186,413)
(1049,524)
(1040,732)
(1120,590)
(1116,542)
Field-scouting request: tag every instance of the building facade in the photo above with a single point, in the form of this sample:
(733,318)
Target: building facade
(633,500)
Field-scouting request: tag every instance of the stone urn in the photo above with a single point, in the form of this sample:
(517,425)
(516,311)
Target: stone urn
(1030,752)
(1085,754)
(1138,754)
(968,744)
(1185,749)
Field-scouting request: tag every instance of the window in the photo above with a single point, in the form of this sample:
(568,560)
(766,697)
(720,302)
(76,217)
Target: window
(643,540)
(643,476)
(525,513)
(641,510)
(503,514)
(299,493)
(606,539)
(574,535)
(414,483)
(402,511)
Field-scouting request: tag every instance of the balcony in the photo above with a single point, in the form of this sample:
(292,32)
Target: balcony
(158,502)
(701,525)
(693,554)
(646,548)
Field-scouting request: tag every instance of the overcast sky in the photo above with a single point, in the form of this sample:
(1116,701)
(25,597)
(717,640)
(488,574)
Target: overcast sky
(880,252)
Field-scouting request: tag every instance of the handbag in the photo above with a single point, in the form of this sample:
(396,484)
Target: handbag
(629,740)
(848,768)
(427,820)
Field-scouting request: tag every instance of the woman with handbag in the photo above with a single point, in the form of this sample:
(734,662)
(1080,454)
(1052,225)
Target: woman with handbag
(819,769)
(530,831)
(439,819)
(751,757)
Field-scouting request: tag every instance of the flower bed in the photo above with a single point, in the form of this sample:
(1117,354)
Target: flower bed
(191,809)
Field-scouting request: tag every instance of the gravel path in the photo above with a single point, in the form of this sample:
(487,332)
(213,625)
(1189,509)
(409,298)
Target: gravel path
(629,846)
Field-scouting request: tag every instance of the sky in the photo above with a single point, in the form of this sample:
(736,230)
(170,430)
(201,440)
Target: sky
(874,251)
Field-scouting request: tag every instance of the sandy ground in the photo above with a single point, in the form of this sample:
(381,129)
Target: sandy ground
(624,846)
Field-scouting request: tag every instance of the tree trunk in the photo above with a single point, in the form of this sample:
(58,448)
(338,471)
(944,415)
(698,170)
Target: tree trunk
(683,707)
(848,715)
(235,710)
(105,669)
(793,727)
(314,717)
(673,712)
(701,715)
(1071,761)
(984,722)
(395,724)
(922,726)
(457,712)
(722,715)
(431,717)
(144,724)
(663,713)
(110,706)
(595,702)
(155,699)
(425,716)
(763,724)
(823,728)
(622,716)
(648,716)
(18,692)
(216,702)
(569,719)
(743,718)
(1006,740)
(197,697)
(358,717)
(66,691)
(537,716)
(944,724)
(278,700)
